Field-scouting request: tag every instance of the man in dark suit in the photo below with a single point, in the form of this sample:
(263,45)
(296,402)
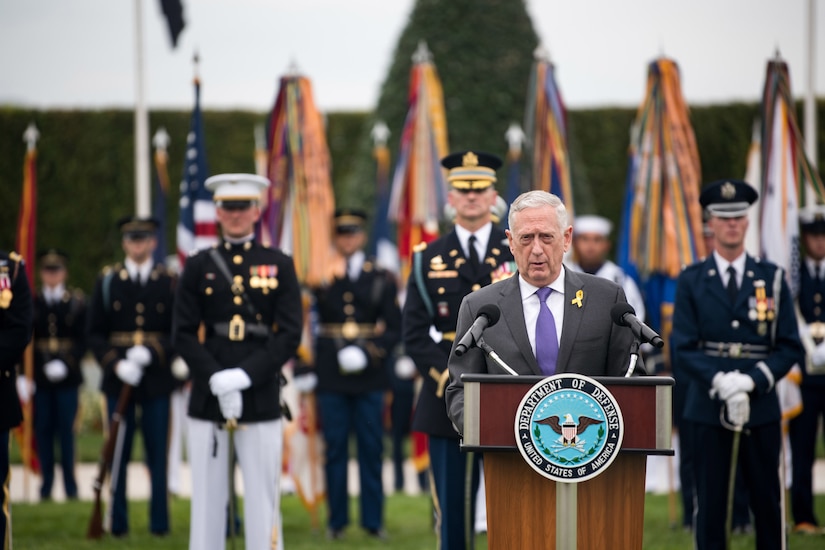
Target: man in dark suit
(59,345)
(804,428)
(359,325)
(129,327)
(443,272)
(247,298)
(582,337)
(15,333)
(735,335)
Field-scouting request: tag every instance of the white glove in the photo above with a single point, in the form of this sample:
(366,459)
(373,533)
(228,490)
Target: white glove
(179,368)
(25,388)
(818,356)
(305,383)
(55,370)
(129,372)
(139,355)
(229,380)
(405,368)
(731,383)
(352,359)
(231,404)
(739,408)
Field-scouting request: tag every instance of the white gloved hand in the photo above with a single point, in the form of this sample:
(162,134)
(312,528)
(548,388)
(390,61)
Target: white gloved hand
(739,409)
(733,382)
(352,359)
(25,388)
(405,368)
(129,372)
(55,370)
(229,380)
(179,368)
(818,356)
(305,383)
(140,355)
(231,404)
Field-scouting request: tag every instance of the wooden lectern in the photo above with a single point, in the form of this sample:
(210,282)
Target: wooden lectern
(527,510)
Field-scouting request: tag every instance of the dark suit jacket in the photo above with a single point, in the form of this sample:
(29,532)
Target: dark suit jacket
(15,333)
(591,344)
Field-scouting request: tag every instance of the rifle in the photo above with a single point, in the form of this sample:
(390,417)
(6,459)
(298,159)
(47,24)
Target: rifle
(95,530)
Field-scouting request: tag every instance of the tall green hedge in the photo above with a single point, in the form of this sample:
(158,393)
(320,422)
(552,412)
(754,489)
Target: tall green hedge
(86,165)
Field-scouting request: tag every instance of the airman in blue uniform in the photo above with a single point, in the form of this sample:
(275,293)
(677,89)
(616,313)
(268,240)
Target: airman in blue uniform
(735,335)
(472,255)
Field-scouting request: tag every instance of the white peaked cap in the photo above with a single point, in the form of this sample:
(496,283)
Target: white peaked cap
(592,224)
(236,187)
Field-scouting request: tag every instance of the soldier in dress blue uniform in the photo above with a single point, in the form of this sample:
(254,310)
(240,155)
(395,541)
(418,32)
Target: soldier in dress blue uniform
(15,333)
(359,325)
(59,345)
(803,429)
(470,256)
(735,335)
(247,298)
(129,327)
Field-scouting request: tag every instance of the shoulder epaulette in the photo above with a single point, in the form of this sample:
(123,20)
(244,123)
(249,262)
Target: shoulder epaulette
(420,247)
(15,257)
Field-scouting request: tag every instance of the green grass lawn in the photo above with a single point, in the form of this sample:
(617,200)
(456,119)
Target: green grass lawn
(57,526)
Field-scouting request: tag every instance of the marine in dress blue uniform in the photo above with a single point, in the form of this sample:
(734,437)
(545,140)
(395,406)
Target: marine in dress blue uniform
(246,297)
(442,274)
(735,343)
(15,334)
(59,345)
(359,325)
(129,328)
(803,429)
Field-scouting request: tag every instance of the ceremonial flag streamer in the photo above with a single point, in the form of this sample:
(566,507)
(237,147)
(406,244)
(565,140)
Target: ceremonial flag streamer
(197,225)
(662,219)
(26,245)
(161,142)
(419,190)
(545,125)
(787,179)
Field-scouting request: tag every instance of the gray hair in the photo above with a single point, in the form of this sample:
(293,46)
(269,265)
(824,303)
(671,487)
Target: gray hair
(537,199)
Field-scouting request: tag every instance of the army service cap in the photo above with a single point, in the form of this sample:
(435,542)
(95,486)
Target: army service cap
(471,171)
(53,259)
(138,227)
(349,220)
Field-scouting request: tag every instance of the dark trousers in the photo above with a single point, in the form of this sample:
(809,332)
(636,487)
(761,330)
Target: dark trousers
(340,414)
(803,434)
(449,469)
(154,426)
(5,505)
(401,419)
(54,414)
(759,463)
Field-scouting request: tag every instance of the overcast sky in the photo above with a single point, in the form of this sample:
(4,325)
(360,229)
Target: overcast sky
(80,53)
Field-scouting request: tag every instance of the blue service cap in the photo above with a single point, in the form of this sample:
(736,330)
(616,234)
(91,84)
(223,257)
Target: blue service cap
(728,198)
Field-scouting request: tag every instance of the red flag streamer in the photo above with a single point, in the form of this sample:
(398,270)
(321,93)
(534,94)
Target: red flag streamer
(25,245)
(419,189)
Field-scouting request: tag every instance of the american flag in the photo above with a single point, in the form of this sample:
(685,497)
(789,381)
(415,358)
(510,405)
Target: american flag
(196,227)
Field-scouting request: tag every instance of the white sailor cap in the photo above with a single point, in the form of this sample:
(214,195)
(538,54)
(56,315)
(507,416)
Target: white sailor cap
(236,188)
(592,224)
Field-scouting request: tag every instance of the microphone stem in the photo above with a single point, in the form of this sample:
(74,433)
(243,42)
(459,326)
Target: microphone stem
(494,356)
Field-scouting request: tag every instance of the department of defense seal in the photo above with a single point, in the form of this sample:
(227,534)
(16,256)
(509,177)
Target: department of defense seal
(569,428)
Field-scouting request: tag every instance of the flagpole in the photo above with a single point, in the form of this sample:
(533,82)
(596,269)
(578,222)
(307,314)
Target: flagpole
(810,92)
(142,191)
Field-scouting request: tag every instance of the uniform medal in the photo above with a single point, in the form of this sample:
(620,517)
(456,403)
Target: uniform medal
(5,290)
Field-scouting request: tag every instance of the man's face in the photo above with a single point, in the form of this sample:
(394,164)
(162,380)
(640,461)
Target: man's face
(729,233)
(52,276)
(538,244)
(238,222)
(814,245)
(139,248)
(591,249)
(348,243)
(472,207)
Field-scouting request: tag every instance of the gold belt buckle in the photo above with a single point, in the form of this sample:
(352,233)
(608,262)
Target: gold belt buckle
(54,345)
(138,338)
(350,330)
(237,328)
(735,350)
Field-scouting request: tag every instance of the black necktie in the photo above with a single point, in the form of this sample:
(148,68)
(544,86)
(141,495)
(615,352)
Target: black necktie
(733,290)
(817,272)
(473,259)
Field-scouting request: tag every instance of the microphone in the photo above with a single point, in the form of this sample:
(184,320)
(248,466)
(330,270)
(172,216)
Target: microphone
(488,315)
(624,315)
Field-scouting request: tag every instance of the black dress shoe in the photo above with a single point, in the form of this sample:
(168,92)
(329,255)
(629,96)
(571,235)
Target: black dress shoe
(335,534)
(377,534)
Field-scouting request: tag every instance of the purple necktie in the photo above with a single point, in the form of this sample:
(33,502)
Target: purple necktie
(547,344)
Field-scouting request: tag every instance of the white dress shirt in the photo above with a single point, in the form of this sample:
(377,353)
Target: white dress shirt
(482,239)
(531,306)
